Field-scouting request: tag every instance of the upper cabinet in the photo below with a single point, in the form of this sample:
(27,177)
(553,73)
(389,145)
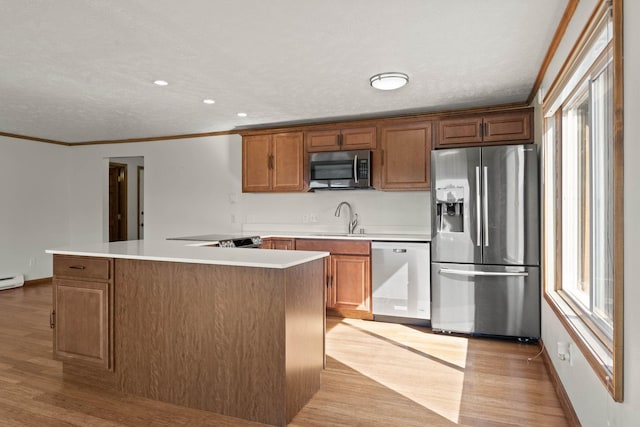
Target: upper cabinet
(363,138)
(490,128)
(405,155)
(273,162)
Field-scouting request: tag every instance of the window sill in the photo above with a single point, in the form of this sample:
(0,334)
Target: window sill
(597,355)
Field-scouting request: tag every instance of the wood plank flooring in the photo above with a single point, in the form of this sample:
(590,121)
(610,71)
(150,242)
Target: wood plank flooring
(377,374)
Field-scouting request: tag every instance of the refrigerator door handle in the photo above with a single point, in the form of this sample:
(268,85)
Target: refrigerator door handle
(477,207)
(485,205)
(481,273)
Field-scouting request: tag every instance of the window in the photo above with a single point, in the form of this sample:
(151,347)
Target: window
(587,197)
(582,214)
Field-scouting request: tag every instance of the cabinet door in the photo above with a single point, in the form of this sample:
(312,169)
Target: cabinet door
(406,156)
(513,126)
(278,243)
(466,130)
(81,328)
(256,163)
(358,139)
(287,162)
(322,140)
(363,138)
(351,282)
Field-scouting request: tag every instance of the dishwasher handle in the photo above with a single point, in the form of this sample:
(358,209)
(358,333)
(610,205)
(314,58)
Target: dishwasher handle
(482,273)
(399,251)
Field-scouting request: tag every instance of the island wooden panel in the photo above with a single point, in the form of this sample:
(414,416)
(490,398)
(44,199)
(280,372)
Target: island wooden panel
(240,341)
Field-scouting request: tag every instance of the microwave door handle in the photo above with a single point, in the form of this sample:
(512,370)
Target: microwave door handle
(355,168)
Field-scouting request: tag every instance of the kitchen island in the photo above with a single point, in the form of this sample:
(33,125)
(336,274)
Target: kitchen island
(234,331)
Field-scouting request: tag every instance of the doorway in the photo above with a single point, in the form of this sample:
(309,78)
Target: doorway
(140,202)
(123,199)
(117,202)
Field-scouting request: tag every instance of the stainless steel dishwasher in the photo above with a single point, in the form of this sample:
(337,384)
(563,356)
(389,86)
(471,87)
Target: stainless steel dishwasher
(400,274)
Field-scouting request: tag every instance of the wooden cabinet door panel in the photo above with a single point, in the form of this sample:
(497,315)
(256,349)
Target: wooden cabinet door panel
(514,126)
(256,171)
(80,267)
(278,243)
(350,278)
(406,157)
(81,321)
(340,246)
(467,130)
(359,139)
(323,140)
(287,162)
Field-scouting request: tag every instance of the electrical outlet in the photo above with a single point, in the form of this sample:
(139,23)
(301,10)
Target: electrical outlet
(32,262)
(563,351)
(313,218)
(305,218)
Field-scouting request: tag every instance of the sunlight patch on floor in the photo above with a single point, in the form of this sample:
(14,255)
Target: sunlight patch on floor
(425,368)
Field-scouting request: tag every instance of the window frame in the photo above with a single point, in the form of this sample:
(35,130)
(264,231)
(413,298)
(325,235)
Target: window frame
(604,353)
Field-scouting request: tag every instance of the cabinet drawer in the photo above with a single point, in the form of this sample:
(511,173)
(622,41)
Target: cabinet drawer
(81,267)
(346,247)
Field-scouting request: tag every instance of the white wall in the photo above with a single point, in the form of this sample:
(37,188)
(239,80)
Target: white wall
(34,210)
(186,186)
(592,403)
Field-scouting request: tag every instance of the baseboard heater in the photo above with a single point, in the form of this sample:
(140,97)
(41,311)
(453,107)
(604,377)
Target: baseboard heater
(8,282)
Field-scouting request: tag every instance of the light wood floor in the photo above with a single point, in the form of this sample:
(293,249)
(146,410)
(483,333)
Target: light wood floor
(377,375)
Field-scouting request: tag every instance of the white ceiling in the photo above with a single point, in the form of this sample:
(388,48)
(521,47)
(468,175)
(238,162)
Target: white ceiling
(77,71)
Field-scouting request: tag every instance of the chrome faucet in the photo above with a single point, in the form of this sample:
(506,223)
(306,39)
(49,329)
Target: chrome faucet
(353,218)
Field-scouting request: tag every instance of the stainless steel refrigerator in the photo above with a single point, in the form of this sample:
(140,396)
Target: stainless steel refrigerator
(485,273)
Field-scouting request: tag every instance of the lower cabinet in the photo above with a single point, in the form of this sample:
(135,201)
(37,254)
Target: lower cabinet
(348,275)
(349,287)
(82,318)
(278,243)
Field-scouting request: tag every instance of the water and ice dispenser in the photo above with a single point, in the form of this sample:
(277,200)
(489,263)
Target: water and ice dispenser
(450,209)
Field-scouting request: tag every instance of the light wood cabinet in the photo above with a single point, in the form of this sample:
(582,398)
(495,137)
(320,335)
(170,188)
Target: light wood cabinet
(273,162)
(348,275)
(350,288)
(281,243)
(363,138)
(489,128)
(82,319)
(405,156)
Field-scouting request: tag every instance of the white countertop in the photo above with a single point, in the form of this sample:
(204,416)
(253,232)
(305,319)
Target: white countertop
(392,237)
(188,252)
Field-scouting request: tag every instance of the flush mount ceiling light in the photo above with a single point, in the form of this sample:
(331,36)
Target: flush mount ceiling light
(208,101)
(160,82)
(242,114)
(389,81)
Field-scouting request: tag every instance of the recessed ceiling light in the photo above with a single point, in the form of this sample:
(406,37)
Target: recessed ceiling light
(389,81)
(160,82)
(242,114)
(208,101)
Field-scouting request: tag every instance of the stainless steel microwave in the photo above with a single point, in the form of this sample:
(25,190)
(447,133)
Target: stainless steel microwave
(340,170)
